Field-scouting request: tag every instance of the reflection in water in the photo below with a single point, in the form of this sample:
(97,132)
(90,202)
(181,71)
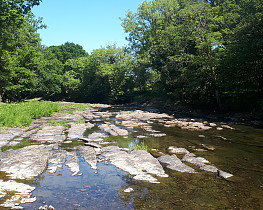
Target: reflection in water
(92,190)
(133,142)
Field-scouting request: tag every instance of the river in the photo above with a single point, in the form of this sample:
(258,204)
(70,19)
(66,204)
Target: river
(238,151)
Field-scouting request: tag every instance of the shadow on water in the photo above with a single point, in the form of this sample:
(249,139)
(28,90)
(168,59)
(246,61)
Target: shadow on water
(239,152)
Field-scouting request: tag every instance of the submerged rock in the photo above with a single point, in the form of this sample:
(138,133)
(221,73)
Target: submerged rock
(174,163)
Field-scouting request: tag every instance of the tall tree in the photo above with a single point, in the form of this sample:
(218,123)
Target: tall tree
(17,39)
(68,51)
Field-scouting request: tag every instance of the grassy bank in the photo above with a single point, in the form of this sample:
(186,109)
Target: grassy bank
(22,114)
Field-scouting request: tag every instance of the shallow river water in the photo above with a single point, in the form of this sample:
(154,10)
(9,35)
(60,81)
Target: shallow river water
(241,155)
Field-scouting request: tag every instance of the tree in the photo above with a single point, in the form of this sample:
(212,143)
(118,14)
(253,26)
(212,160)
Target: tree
(68,51)
(49,71)
(181,39)
(115,64)
(17,73)
(18,41)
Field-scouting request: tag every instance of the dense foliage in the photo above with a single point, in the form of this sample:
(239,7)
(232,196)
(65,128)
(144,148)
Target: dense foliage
(206,54)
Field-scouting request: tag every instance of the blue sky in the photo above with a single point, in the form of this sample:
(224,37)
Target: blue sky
(90,23)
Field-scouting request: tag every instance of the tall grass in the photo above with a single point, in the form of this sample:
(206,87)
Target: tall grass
(22,114)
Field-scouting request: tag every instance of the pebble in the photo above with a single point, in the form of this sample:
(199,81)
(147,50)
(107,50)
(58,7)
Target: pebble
(128,190)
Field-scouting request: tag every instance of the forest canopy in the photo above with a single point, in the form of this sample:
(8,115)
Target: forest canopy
(204,54)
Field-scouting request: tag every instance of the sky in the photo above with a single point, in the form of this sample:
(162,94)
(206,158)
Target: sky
(91,23)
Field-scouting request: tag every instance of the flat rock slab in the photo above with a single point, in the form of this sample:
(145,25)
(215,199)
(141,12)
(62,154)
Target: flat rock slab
(25,163)
(76,131)
(202,163)
(174,163)
(177,150)
(96,136)
(56,160)
(8,135)
(187,125)
(73,163)
(67,117)
(224,174)
(22,194)
(198,161)
(138,163)
(51,134)
(89,154)
(113,130)
(93,144)
(142,115)
(133,123)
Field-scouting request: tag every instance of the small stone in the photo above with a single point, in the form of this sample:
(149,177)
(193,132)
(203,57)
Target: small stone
(223,174)
(210,148)
(141,137)
(219,129)
(212,124)
(158,134)
(178,150)
(93,144)
(128,190)
(227,127)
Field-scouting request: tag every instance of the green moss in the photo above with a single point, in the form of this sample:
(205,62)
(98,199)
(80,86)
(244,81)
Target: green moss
(25,142)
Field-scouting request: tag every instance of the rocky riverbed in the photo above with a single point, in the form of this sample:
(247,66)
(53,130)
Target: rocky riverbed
(62,139)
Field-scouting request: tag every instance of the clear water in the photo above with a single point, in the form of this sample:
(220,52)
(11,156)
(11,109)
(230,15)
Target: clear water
(241,155)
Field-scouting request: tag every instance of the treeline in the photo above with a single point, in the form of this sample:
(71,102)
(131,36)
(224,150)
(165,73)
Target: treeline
(206,54)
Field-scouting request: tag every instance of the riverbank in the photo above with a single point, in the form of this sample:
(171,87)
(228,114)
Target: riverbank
(252,118)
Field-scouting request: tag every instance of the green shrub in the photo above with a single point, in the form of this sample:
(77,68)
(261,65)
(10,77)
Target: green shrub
(140,146)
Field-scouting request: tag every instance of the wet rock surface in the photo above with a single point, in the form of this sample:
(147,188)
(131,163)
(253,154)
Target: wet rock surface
(25,163)
(174,163)
(22,194)
(138,163)
(46,152)
(76,131)
(50,134)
